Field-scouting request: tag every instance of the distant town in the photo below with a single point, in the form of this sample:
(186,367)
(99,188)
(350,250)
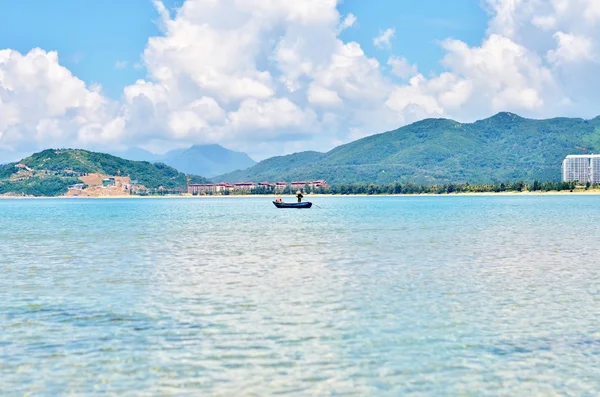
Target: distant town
(246,187)
(95,185)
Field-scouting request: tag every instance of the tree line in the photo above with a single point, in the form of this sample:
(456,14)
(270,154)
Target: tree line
(412,188)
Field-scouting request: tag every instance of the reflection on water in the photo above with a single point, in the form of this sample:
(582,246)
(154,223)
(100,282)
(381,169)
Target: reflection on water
(364,296)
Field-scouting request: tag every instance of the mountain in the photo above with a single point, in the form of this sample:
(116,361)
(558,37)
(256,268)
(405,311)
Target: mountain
(281,168)
(50,172)
(501,148)
(207,160)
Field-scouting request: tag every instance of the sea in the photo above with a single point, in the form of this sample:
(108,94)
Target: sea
(357,296)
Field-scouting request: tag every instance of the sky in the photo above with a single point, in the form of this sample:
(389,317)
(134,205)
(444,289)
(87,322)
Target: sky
(272,77)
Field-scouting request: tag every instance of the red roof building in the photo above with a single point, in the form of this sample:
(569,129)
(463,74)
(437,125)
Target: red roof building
(244,186)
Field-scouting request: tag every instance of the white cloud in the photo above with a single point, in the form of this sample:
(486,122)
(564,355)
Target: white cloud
(415,98)
(265,117)
(271,65)
(503,74)
(384,38)
(348,22)
(121,64)
(565,34)
(196,117)
(43,105)
(545,22)
(571,48)
(401,67)
(318,95)
(268,76)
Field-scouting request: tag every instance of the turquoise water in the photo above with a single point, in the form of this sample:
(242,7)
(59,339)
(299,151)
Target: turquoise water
(364,296)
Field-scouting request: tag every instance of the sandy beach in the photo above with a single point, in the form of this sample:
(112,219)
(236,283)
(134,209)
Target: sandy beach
(578,192)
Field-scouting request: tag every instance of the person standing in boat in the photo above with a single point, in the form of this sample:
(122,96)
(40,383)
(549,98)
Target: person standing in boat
(299,195)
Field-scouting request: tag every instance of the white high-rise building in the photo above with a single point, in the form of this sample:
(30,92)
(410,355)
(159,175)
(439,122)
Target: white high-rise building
(581,168)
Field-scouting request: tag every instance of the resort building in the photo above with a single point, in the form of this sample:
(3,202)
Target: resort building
(218,188)
(221,187)
(244,186)
(298,185)
(281,185)
(581,168)
(318,184)
(204,188)
(311,184)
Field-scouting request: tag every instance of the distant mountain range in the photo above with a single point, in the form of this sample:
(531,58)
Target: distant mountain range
(205,160)
(505,147)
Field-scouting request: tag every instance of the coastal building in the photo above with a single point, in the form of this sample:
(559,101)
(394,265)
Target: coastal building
(298,185)
(201,188)
(311,184)
(244,186)
(581,168)
(218,188)
(222,187)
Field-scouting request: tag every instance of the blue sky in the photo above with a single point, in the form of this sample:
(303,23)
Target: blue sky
(91,36)
(272,77)
(419,26)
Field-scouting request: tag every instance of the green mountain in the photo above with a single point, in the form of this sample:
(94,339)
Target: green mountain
(501,148)
(274,168)
(50,172)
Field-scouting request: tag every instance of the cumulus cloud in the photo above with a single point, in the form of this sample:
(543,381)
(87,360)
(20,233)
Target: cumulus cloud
(401,67)
(277,69)
(269,76)
(43,105)
(384,38)
(318,95)
(564,34)
(505,73)
(571,48)
(348,22)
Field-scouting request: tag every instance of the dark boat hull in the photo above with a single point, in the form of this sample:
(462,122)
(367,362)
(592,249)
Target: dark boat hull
(306,204)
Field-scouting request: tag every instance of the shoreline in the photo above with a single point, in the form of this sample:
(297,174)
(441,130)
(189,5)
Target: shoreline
(595,192)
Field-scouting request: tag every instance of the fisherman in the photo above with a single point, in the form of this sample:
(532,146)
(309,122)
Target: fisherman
(278,199)
(299,195)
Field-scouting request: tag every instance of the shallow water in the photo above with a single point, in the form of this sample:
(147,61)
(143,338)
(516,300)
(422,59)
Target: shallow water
(363,296)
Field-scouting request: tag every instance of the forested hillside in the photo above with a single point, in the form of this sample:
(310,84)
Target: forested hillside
(505,147)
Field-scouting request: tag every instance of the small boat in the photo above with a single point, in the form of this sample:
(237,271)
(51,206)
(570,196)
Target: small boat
(306,204)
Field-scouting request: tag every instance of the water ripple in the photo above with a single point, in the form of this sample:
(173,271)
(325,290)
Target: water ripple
(366,296)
